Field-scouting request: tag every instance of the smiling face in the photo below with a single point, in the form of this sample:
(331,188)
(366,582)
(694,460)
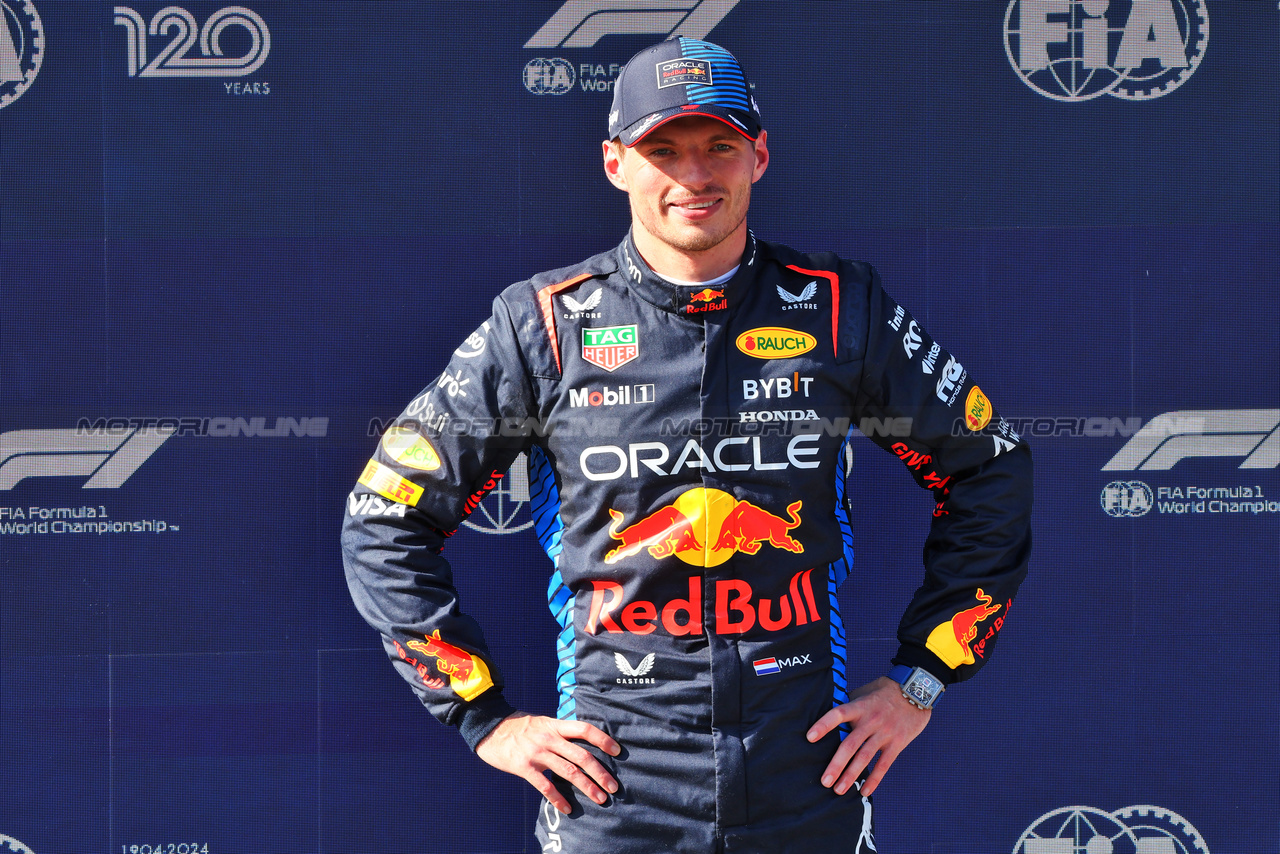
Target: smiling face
(689,183)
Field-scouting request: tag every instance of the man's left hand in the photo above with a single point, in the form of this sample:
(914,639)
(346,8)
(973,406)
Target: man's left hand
(881,721)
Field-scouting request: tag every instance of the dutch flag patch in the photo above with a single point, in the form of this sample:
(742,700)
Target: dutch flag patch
(766,666)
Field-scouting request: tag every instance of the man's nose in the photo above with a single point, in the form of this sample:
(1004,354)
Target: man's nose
(695,169)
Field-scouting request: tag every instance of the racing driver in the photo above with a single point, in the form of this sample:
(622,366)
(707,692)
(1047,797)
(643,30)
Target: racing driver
(696,524)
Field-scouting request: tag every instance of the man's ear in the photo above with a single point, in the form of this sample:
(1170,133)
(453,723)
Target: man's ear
(613,163)
(762,157)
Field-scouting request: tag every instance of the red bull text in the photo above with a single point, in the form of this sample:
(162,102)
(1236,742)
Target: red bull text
(737,609)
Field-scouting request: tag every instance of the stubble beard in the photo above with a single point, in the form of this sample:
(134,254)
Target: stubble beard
(693,239)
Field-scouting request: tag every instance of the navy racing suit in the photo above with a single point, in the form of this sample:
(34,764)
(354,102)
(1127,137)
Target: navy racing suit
(687,468)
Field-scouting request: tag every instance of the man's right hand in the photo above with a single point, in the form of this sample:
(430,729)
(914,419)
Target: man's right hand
(527,745)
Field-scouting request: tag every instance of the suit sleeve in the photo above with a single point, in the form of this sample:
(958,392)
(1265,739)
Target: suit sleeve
(916,400)
(448,448)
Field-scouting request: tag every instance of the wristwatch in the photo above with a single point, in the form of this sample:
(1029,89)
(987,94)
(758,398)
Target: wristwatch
(920,687)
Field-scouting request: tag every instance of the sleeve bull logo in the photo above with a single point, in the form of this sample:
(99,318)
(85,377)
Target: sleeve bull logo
(952,641)
(704,527)
(468,675)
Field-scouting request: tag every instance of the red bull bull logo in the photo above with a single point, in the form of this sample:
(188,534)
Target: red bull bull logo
(707,299)
(704,527)
(737,608)
(952,641)
(664,533)
(468,675)
(747,527)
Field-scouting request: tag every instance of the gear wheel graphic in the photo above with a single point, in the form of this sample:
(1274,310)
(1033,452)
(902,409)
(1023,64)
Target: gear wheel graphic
(9,845)
(22,25)
(1148,822)
(1131,88)
(1085,830)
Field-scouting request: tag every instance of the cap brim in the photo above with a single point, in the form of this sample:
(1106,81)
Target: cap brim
(638,131)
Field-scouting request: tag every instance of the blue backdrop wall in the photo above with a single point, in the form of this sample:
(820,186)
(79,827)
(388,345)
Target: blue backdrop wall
(236,240)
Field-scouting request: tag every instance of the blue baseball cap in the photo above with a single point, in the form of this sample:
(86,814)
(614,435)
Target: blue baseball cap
(681,77)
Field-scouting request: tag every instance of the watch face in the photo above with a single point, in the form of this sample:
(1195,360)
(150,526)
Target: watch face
(924,687)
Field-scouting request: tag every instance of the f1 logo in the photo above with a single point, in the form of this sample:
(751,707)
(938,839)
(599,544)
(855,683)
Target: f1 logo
(1174,436)
(107,458)
(582,23)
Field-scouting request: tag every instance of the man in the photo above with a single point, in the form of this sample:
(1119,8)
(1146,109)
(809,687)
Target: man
(697,526)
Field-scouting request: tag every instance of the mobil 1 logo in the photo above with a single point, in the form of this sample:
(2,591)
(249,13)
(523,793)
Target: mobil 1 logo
(621,395)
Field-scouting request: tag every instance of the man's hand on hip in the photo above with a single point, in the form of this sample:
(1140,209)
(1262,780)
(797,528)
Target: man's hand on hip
(527,745)
(881,721)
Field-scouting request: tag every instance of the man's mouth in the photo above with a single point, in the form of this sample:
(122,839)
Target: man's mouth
(697,205)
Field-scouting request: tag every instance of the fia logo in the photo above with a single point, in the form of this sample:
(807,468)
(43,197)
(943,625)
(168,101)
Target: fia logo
(21,48)
(582,23)
(1075,50)
(1136,829)
(1126,499)
(173,61)
(10,844)
(553,76)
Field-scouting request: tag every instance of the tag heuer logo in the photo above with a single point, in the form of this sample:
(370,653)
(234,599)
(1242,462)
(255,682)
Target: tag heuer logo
(610,347)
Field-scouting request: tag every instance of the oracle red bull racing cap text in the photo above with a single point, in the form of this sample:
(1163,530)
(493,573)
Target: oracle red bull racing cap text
(681,77)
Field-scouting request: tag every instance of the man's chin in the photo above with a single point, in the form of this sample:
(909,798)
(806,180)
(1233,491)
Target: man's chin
(695,240)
